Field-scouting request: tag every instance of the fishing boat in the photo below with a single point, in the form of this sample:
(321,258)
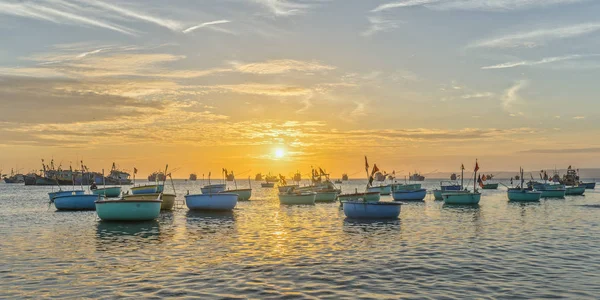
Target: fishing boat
(147,189)
(109,192)
(552,190)
(61,193)
(589,185)
(326,196)
(465,197)
(382,189)
(213,202)
(243,194)
(213,188)
(446,187)
(490,186)
(339,181)
(344,177)
(416,177)
(521,194)
(116,177)
(371,210)
(293,198)
(76,202)
(297,177)
(437,194)
(168,200)
(129,209)
(193,177)
(13,178)
(367,197)
(286,188)
(267,184)
(157,176)
(405,187)
(574,190)
(380,176)
(271,178)
(409,195)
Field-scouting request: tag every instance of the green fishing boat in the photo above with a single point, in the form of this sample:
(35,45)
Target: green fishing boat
(128,210)
(575,190)
(109,192)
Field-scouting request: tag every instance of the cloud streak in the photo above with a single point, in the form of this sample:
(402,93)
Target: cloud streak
(206,24)
(511,95)
(547,60)
(378,24)
(480,5)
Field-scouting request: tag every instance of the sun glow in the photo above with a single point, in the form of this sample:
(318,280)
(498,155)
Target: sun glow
(279,153)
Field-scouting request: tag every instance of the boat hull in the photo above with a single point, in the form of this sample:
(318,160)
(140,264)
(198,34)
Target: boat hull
(110,192)
(76,202)
(383,189)
(575,190)
(553,193)
(437,194)
(368,197)
(589,185)
(405,187)
(461,198)
(53,195)
(168,200)
(267,184)
(490,186)
(213,188)
(287,188)
(147,189)
(128,209)
(523,195)
(214,202)
(371,210)
(298,199)
(326,196)
(410,195)
(243,194)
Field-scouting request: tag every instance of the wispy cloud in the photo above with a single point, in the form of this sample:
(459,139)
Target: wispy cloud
(579,117)
(478,95)
(284,7)
(511,95)
(546,60)
(537,37)
(206,24)
(170,24)
(484,5)
(280,66)
(379,24)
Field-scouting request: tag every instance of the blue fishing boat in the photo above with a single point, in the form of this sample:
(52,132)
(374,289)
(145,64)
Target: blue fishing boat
(446,187)
(371,210)
(409,195)
(574,190)
(589,185)
(382,189)
(147,189)
(213,188)
(464,197)
(110,192)
(521,194)
(76,202)
(216,202)
(128,209)
(59,193)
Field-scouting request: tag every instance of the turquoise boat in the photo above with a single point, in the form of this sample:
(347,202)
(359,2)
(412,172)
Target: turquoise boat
(326,196)
(371,210)
(168,200)
(368,197)
(464,198)
(490,186)
(437,194)
(298,198)
(110,192)
(147,189)
(53,195)
(128,209)
(589,185)
(216,202)
(523,195)
(575,190)
(243,194)
(382,189)
(76,202)
(409,195)
(405,187)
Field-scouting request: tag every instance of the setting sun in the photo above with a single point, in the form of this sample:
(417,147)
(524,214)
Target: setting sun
(279,153)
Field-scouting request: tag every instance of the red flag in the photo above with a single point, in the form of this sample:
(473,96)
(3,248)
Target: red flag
(366,165)
(483,178)
(480,181)
(375,169)
(476,166)
(134,170)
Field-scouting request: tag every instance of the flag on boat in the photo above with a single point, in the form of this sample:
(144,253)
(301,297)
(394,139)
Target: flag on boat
(366,165)
(480,181)
(476,166)
(462,166)
(134,170)
(483,178)
(375,169)
(321,171)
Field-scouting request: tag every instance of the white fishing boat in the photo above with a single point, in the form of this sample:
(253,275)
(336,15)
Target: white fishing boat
(382,189)
(297,198)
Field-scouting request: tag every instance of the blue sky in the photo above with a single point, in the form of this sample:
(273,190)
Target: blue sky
(435,81)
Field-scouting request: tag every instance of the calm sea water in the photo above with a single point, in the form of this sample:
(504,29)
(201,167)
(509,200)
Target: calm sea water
(264,250)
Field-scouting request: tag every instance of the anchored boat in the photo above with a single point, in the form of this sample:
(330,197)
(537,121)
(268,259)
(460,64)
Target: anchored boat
(60,193)
(212,202)
(293,198)
(243,194)
(326,196)
(168,200)
(213,188)
(382,189)
(147,189)
(521,194)
(465,197)
(409,195)
(76,202)
(109,192)
(371,210)
(129,209)
(574,190)
(367,197)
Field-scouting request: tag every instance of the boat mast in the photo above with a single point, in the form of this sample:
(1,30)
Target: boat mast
(462,176)
(475,177)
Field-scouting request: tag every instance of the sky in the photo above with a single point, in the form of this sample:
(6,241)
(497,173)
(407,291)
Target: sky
(279,86)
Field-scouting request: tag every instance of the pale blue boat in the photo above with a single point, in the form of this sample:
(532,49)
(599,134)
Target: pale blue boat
(53,195)
(401,186)
(128,210)
(216,202)
(523,195)
(371,210)
(409,195)
(213,188)
(110,192)
(382,189)
(449,187)
(147,189)
(76,202)
(464,198)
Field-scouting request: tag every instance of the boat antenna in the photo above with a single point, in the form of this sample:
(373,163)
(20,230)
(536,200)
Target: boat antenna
(234,181)
(164,177)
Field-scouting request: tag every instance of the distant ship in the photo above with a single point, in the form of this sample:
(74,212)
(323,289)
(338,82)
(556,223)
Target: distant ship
(453,176)
(258,177)
(344,177)
(416,177)
(230,177)
(271,178)
(157,176)
(193,177)
(297,177)
(14,178)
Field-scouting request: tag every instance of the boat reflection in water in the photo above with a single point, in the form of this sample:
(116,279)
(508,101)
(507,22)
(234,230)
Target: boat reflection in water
(123,236)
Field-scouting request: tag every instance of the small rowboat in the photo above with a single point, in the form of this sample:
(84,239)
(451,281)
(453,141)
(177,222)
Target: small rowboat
(128,209)
(402,186)
(213,188)
(168,200)
(109,192)
(287,188)
(243,194)
(382,189)
(53,195)
(147,189)
(267,184)
(437,194)
(326,196)
(466,198)
(523,195)
(490,186)
(368,197)
(410,195)
(575,190)
(212,202)
(298,198)
(371,210)
(76,202)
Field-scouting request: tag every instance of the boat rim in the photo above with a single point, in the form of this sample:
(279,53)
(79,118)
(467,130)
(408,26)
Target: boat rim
(371,203)
(125,200)
(358,194)
(235,190)
(212,194)
(84,195)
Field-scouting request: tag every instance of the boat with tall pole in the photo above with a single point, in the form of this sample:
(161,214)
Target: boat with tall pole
(522,194)
(466,197)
